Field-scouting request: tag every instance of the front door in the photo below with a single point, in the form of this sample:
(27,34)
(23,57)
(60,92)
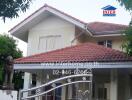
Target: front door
(53,95)
(58,92)
(102,91)
(48,96)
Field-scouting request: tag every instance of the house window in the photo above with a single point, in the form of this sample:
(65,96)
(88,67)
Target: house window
(106,43)
(48,43)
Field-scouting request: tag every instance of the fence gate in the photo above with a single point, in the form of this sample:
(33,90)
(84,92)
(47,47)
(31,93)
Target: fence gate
(47,90)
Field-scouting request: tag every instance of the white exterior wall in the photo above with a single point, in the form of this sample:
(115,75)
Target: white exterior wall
(4,95)
(56,26)
(50,26)
(117,44)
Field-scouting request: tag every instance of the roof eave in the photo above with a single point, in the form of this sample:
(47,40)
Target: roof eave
(108,35)
(16,29)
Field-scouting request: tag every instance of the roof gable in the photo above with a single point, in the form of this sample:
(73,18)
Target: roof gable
(87,52)
(38,15)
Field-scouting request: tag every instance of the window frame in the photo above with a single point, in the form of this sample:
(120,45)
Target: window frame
(106,43)
(46,38)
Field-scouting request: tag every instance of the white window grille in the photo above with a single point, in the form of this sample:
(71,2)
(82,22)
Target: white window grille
(48,43)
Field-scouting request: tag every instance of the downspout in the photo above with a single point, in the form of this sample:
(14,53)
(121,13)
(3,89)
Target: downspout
(83,31)
(77,37)
(87,29)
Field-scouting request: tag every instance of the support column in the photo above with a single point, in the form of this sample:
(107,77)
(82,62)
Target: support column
(38,83)
(63,93)
(27,82)
(113,84)
(69,91)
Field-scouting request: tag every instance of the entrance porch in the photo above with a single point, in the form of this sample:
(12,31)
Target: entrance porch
(107,84)
(111,73)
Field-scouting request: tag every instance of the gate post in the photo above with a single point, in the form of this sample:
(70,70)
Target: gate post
(27,82)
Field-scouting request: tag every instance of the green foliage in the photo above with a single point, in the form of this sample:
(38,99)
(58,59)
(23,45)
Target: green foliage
(126,3)
(17,80)
(11,8)
(8,46)
(127,46)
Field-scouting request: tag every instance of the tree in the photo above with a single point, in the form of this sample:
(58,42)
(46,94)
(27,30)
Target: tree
(128,32)
(11,8)
(128,6)
(127,45)
(126,3)
(8,46)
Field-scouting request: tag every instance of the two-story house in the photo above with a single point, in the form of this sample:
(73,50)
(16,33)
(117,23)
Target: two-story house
(48,30)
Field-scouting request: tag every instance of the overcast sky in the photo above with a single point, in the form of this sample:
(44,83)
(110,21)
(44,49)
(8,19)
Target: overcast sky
(85,10)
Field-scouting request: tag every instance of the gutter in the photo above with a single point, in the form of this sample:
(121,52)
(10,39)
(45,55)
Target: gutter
(87,30)
(92,65)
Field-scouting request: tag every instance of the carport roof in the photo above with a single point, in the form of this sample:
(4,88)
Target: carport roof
(87,52)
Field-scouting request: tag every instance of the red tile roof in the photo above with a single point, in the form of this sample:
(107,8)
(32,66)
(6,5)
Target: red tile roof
(87,52)
(97,28)
(45,5)
(101,28)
